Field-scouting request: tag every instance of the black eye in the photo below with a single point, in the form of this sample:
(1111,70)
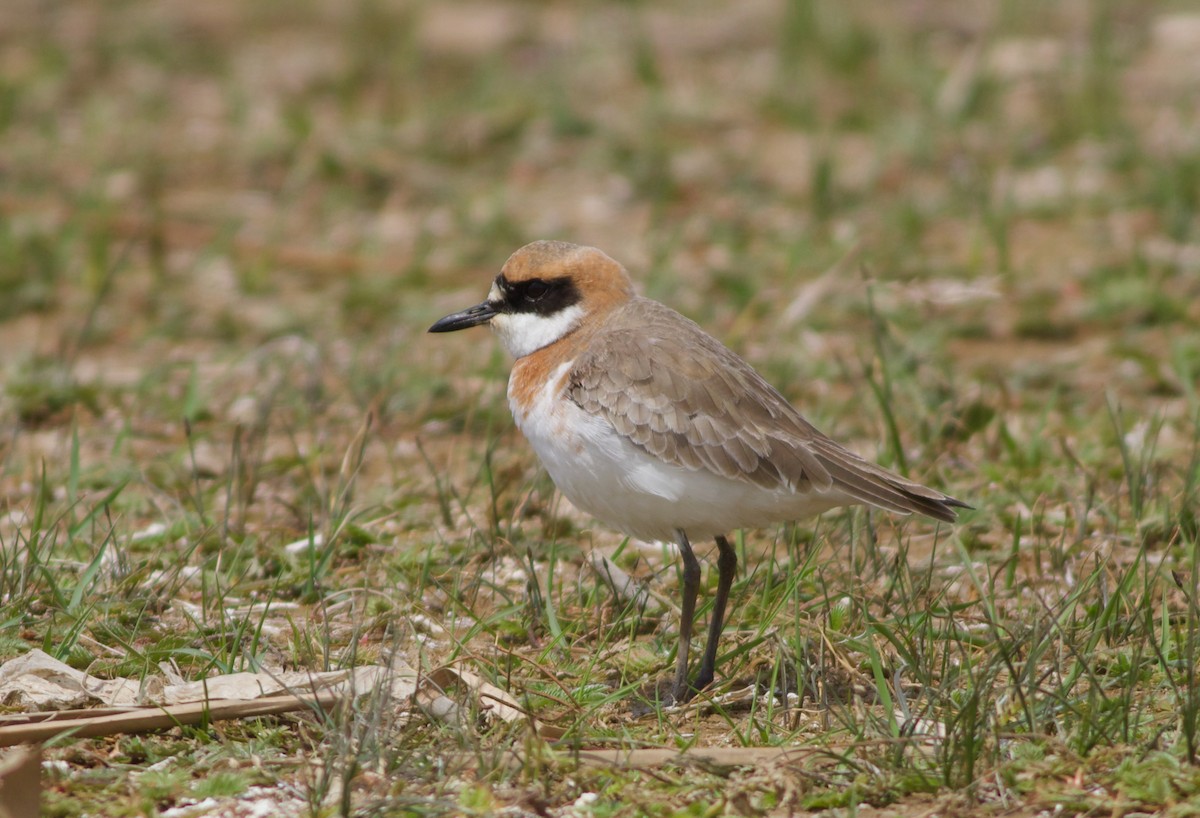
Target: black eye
(535,289)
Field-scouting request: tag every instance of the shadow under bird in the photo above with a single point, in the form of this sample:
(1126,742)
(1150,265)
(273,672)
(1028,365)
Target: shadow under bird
(653,426)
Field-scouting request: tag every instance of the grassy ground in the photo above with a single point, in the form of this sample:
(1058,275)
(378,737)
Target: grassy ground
(964,238)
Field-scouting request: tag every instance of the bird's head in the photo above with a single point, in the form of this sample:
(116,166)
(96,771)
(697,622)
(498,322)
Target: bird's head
(545,291)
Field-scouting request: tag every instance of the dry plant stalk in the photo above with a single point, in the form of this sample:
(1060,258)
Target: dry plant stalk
(37,727)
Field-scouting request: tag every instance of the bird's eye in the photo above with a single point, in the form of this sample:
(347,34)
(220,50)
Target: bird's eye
(535,289)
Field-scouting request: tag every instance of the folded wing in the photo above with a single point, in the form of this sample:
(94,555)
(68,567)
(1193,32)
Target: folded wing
(679,394)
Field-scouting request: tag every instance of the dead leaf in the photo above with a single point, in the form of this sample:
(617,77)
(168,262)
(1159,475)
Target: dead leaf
(448,693)
(40,682)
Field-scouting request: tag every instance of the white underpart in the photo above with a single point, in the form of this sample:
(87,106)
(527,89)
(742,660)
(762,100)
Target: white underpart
(525,332)
(603,473)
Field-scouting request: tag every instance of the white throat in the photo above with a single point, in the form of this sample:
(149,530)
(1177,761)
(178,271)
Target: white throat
(523,333)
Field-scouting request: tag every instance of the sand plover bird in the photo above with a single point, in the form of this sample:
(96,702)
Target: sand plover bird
(653,426)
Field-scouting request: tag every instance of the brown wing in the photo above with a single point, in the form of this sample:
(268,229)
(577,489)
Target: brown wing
(679,394)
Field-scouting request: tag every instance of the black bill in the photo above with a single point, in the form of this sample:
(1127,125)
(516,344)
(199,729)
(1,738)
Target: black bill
(479,314)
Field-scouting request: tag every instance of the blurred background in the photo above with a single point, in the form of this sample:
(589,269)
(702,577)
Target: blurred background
(193,170)
(192,192)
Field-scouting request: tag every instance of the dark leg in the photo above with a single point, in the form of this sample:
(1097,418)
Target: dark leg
(727,568)
(681,692)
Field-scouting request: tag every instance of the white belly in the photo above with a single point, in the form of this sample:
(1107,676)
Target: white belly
(607,476)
